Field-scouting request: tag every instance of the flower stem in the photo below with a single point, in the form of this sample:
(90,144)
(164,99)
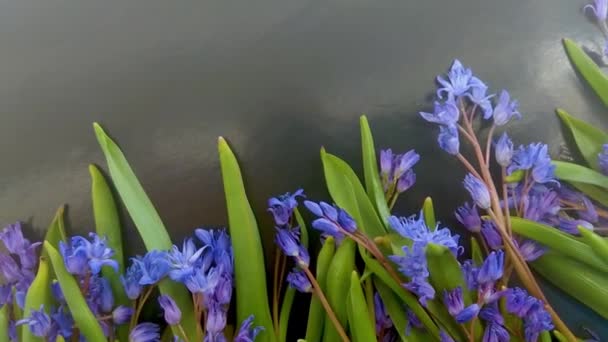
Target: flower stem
(181,330)
(323,300)
(505,199)
(489,144)
(468,165)
(140,305)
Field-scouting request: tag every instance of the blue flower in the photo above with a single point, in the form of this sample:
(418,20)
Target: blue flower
(122,314)
(246,333)
(492,268)
(290,245)
(216,319)
(478,96)
(455,304)
(422,289)
(299,281)
(599,9)
(505,109)
(173,315)
(74,255)
(531,250)
(444,337)
(333,221)
(397,169)
(504,150)
(386,163)
(99,254)
(145,332)
(518,302)
(406,181)
(38,322)
(535,157)
(459,81)
(184,263)
(106,297)
(491,314)
(223,289)
(537,321)
(131,281)
(495,333)
(468,216)
(478,190)
(404,162)
(154,266)
(448,139)
(203,282)
(541,205)
(446,113)
(383,321)
(219,249)
(63,323)
(602,157)
(282,207)
(6,294)
(9,269)
(412,321)
(12,238)
(490,234)
(571,226)
(590,213)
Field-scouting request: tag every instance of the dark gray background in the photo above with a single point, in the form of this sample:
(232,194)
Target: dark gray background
(278,78)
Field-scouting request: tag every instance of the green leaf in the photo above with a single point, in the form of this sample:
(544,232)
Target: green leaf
(338,284)
(557,241)
(580,281)
(4,318)
(148,222)
(588,69)
(375,191)
(316,313)
(596,242)
(249,269)
(515,177)
(84,319)
(107,224)
(476,252)
(361,326)
(56,230)
(39,294)
(429,213)
(545,336)
(348,193)
(559,336)
(588,138)
(595,193)
(576,173)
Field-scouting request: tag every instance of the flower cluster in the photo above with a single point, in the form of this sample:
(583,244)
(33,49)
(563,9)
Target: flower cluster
(396,172)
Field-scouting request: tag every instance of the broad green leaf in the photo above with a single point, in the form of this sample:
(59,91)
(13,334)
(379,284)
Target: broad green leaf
(545,336)
(56,230)
(429,213)
(445,271)
(577,173)
(107,224)
(39,294)
(557,241)
(476,253)
(597,194)
(338,284)
(84,319)
(580,281)
(316,313)
(361,326)
(348,193)
(515,177)
(368,288)
(249,269)
(373,185)
(596,242)
(148,222)
(4,318)
(588,138)
(559,336)
(290,292)
(588,69)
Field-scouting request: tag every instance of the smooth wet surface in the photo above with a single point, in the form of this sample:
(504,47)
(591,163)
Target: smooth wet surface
(278,79)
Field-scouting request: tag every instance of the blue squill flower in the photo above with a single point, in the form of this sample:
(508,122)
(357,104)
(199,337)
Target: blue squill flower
(590,213)
(12,238)
(121,314)
(218,249)
(478,190)
(145,332)
(299,281)
(223,289)
(468,216)
(184,263)
(99,254)
(458,82)
(446,113)
(455,304)
(537,321)
(106,297)
(570,226)
(282,207)
(9,269)
(203,282)
(247,333)
(495,333)
(386,163)
(412,322)
(444,337)
(290,245)
(478,96)
(492,268)
(491,314)
(63,323)
(404,162)
(490,234)
(599,9)
(504,150)
(406,181)
(154,267)
(422,289)
(39,322)
(173,315)
(541,205)
(602,157)
(531,250)
(448,139)
(332,221)
(383,321)
(131,281)
(74,255)
(216,319)
(518,302)
(397,169)
(505,109)
(6,294)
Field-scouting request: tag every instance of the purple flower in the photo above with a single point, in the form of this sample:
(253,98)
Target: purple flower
(446,113)
(406,181)
(541,205)
(246,333)
(333,221)
(468,216)
(455,304)
(299,281)
(491,314)
(223,289)
(492,268)
(105,297)
(383,321)
(99,254)
(38,322)
(203,282)
(458,82)
(74,255)
(535,157)
(478,190)
(397,169)
(173,314)
(448,139)
(505,109)
(290,245)
(478,96)
(518,302)
(145,332)
(490,234)
(412,321)
(495,333)
(537,321)
(444,337)
(121,314)
(590,213)
(602,157)
(282,207)
(9,269)
(404,162)
(504,150)
(154,266)
(531,250)
(599,9)
(12,238)
(6,294)
(470,274)
(131,281)
(571,226)
(218,249)
(386,163)
(63,323)
(184,263)
(29,256)
(422,289)
(216,319)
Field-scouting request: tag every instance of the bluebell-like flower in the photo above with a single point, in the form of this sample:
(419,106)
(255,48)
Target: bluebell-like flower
(246,332)
(74,255)
(490,234)
(219,249)
(492,268)
(599,9)
(448,139)
(404,162)
(383,321)
(505,109)
(444,337)
(415,228)
(9,269)
(541,205)
(491,314)
(602,157)
(570,226)
(386,163)
(6,294)
(397,169)
(495,333)
(531,250)
(299,281)
(12,238)
(535,157)
(290,245)
(478,190)
(537,321)
(145,332)
(62,323)
(333,221)
(184,263)
(216,319)
(412,322)
(504,150)
(468,216)
(203,282)
(422,289)
(29,256)
(282,207)
(173,315)
(478,95)
(99,254)
(406,181)
(154,266)
(131,281)
(122,314)
(518,302)
(590,213)
(455,304)
(106,297)
(446,113)
(458,82)
(39,322)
